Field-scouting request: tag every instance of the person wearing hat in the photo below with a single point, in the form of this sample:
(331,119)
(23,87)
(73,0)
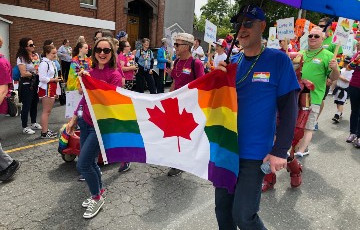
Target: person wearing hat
(266,84)
(122,36)
(340,92)
(220,54)
(185,70)
(162,61)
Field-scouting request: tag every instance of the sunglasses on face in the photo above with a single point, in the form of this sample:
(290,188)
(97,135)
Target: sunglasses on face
(105,50)
(178,44)
(313,35)
(322,26)
(31,45)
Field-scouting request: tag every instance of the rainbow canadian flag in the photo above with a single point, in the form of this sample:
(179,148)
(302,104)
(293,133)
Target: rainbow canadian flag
(193,128)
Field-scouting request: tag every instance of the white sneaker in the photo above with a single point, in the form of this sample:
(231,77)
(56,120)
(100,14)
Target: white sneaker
(300,154)
(36,126)
(28,130)
(93,208)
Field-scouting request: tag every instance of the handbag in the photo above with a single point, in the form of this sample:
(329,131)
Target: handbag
(11,105)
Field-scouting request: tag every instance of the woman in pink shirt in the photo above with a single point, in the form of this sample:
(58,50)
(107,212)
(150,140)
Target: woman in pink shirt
(103,68)
(126,62)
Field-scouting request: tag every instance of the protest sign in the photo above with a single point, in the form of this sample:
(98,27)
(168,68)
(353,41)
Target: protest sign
(273,42)
(304,41)
(342,31)
(169,41)
(210,32)
(72,101)
(285,28)
(348,48)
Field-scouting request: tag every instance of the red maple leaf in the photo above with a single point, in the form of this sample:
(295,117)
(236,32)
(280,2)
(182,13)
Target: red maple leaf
(171,121)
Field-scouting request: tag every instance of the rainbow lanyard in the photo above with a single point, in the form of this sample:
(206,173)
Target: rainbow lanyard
(251,67)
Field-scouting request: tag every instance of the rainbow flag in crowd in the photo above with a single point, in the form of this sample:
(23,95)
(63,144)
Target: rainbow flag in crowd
(193,128)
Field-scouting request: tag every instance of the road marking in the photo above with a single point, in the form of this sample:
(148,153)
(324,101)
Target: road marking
(30,146)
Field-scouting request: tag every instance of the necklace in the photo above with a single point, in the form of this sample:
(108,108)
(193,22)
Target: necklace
(251,67)
(177,69)
(309,58)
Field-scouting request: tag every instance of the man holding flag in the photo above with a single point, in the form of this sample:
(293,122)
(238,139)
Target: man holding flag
(265,84)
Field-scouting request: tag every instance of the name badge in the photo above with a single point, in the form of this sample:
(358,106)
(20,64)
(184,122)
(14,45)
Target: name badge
(261,77)
(186,71)
(316,60)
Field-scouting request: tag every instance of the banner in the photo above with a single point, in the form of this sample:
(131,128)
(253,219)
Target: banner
(193,128)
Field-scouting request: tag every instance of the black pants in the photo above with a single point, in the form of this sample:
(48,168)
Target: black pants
(240,209)
(30,99)
(65,67)
(159,81)
(354,93)
(143,76)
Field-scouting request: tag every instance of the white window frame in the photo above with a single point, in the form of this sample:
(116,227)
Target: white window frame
(91,6)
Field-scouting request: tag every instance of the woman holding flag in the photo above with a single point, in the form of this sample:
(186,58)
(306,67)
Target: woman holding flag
(103,68)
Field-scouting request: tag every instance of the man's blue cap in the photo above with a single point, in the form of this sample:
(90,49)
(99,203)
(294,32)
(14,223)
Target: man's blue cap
(250,11)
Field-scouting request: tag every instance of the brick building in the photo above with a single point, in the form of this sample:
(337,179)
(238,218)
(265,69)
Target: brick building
(59,20)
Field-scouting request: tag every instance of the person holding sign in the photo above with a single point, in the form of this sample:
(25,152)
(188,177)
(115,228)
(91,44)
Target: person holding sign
(319,63)
(266,84)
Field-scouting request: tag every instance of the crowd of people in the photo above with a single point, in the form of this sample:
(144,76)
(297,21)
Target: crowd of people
(264,72)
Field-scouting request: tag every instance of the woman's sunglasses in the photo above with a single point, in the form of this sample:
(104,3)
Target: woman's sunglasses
(31,45)
(105,50)
(313,35)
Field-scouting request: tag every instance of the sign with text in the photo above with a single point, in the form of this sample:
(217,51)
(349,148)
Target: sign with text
(285,28)
(342,32)
(304,41)
(273,42)
(210,32)
(348,48)
(306,26)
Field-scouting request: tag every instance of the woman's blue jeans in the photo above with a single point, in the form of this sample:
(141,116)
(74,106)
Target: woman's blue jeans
(89,150)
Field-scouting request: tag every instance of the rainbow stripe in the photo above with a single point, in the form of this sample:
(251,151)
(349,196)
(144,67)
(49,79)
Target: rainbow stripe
(116,126)
(218,100)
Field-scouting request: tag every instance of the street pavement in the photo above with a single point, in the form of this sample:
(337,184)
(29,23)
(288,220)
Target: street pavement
(45,194)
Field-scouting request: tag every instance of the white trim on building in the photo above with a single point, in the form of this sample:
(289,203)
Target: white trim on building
(48,16)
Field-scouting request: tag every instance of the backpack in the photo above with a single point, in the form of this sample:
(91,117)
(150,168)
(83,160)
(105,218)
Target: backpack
(16,73)
(192,66)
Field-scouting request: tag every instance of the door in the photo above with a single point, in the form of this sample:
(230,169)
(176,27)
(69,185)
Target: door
(133,30)
(4,33)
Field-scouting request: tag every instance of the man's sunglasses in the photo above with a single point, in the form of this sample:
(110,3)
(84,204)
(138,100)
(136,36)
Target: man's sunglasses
(105,50)
(313,35)
(178,44)
(31,45)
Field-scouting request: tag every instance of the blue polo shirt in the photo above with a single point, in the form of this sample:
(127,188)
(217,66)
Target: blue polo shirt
(272,77)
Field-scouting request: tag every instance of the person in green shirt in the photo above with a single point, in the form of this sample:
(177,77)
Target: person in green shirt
(318,65)
(325,25)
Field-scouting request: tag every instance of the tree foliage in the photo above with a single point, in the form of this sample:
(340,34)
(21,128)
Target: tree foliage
(220,12)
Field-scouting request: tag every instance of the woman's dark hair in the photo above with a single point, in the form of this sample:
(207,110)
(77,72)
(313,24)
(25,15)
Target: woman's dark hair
(48,42)
(65,41)
(77,48)
(112,61)
(199,40)
(22,52)
(47,49)
(97,32)
(122,46)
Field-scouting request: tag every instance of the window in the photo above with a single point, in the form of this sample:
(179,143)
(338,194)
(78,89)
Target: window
(88,3)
